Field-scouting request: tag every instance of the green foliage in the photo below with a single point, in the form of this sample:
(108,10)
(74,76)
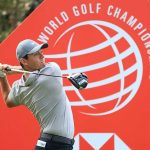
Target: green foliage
(12,12)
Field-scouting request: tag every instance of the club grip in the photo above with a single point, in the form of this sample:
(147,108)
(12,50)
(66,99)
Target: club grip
(8,69)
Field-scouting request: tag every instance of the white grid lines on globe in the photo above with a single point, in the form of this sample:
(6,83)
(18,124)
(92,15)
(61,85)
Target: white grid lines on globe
(133,49)
(69,70)
(116,51)
(95,48)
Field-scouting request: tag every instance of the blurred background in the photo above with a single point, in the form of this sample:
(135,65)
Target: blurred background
(12,12)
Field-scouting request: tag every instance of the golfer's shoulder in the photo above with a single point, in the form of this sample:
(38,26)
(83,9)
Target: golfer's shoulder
(16,84)
(53,65)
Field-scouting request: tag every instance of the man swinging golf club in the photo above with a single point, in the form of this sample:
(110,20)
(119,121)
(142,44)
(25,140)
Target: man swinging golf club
(43,95)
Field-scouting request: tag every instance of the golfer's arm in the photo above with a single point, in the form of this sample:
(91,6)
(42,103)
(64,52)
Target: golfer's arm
(5,89)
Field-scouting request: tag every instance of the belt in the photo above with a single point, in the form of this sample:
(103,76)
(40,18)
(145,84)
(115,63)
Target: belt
(56,138)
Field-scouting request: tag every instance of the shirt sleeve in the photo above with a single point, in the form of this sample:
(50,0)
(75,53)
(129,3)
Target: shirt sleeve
(13,94)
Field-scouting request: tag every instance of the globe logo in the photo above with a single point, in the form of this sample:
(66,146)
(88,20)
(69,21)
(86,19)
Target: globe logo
(111,59)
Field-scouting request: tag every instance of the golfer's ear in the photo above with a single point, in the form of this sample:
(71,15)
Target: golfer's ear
(23,61)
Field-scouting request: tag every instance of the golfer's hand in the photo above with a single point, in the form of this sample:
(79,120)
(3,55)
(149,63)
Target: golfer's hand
(3,68)
(3,71)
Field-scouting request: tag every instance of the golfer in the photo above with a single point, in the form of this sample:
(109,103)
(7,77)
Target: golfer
(43,95)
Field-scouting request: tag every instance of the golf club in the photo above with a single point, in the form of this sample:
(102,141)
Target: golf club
(29,72)
(79,80)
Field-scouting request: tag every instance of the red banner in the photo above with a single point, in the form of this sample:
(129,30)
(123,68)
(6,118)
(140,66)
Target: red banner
(110,42)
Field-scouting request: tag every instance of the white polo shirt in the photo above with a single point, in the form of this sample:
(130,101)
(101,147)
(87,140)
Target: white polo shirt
(46,98)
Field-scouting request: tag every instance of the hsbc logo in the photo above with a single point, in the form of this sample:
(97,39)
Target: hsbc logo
(100,140)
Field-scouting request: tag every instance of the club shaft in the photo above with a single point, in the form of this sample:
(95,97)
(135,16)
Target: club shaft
(29,72)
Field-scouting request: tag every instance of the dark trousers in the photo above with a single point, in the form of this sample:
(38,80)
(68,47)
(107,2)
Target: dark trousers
(53,142)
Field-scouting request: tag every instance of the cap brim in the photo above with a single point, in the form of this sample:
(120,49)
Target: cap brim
(39,47)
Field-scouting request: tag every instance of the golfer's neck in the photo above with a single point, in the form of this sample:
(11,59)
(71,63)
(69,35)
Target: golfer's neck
(33,69)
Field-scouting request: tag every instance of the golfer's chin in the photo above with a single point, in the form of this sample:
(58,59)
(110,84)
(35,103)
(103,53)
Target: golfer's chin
(42,65)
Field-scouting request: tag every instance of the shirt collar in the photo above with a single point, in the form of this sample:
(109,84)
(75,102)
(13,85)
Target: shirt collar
(30,80)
